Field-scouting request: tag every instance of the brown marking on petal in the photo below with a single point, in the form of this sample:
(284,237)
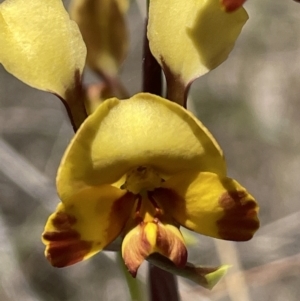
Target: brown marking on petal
(65,246)
(63,220)
(61,236)
(166,196)
(240,216)
(171,246)
(121,208)
(124,202)
(232,5)
(68,252)
(228,200)
(136,250)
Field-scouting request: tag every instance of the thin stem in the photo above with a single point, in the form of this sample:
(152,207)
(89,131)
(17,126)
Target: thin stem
(133,284)
(152,74)
(163,285)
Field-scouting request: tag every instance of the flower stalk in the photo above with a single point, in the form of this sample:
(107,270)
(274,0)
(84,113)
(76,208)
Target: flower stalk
(152,73)
(163,284)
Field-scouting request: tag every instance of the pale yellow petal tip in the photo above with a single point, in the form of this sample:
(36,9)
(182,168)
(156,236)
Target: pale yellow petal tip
(41,46)
(214,277)
(207,32)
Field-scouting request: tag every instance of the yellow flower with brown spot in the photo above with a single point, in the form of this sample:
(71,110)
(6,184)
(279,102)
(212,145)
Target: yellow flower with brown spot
(141,168)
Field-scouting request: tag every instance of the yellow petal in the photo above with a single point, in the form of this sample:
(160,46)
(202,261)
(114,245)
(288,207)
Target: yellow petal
(102,24)
(153,237)
(210,204)
(144,130)
(189,38)
(85,224)
(40,45)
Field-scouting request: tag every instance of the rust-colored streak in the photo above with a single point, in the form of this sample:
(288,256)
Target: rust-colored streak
(232,5)
(136,250)
(123,203)
(65,246)
(229,200)
(65,253)
(240,219)
(171,246)
(61,236)
(63,220)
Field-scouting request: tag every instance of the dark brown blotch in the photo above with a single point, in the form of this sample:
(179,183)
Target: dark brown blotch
(65,253)
(240,220)
(63,220)
(61,236)
(65,246)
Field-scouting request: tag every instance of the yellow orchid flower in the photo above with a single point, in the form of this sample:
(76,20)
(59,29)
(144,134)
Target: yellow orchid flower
(140,168)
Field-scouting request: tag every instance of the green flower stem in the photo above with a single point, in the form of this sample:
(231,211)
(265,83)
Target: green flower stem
(133,284)
(206,277)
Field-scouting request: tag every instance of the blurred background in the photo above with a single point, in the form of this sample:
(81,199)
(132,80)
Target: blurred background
(250,103)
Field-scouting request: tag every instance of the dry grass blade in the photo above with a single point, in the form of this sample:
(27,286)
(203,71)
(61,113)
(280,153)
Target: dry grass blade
(26,176)
(13,282)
